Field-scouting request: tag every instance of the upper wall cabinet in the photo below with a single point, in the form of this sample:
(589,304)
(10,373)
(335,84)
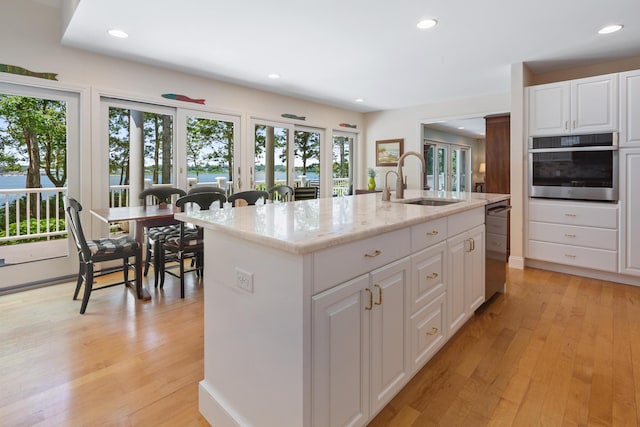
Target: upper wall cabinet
(578,106)
(630,109)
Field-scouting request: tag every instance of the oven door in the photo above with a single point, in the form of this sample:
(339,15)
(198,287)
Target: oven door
(583,173)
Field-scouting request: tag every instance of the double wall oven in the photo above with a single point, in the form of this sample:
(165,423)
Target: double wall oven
(581,167)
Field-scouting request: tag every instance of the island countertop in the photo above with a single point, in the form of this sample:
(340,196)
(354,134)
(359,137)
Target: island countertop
(310,225)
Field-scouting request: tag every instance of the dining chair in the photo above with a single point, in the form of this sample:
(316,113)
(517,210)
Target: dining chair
(207,189)
(188,244)
(158,195)
(91,252)
(305,193)
(281,193)
(250,197)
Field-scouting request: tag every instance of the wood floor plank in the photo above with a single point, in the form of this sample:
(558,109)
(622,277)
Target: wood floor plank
(555,350)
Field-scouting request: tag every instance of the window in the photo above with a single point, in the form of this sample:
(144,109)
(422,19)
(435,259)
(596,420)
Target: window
(448,166)
(342,164)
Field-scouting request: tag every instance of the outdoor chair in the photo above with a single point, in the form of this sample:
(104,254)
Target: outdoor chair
(250,197)
(281,193)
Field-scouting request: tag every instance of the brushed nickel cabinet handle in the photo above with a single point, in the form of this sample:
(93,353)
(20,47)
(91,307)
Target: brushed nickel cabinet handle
(370,299)
(379,294)
(373,254)
(433,331)
(432,276)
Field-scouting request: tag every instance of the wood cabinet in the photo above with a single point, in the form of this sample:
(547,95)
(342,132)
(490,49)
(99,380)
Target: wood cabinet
(360,346)
(580,234)
(497,154)
(630,211)
(588,105)
(630,109)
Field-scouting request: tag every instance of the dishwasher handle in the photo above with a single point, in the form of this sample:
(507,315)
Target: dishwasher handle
(498,209)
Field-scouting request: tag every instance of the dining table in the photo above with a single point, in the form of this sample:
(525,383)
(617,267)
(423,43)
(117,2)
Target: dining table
(142,216)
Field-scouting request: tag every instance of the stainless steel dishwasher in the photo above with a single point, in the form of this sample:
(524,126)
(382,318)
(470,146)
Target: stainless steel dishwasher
(497,250)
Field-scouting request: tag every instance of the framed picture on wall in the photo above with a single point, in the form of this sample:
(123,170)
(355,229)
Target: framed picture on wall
(388,152)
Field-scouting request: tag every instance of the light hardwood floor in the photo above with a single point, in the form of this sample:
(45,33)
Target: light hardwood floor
(555,350)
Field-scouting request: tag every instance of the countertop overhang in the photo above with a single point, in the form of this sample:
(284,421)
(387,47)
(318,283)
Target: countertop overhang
(309,225)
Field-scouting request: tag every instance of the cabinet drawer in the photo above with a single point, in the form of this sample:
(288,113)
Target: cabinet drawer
(464,221)
(576,256)
(427,332)
(428,270)
(592,237)
(340,263)
(427,234)
(590,215)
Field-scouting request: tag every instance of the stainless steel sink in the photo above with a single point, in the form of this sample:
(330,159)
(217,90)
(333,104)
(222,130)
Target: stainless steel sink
(431,202)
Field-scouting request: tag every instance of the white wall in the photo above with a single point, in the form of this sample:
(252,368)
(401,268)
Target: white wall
(407,123)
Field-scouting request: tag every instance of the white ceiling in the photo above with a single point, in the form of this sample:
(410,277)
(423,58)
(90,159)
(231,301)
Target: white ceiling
(334,51)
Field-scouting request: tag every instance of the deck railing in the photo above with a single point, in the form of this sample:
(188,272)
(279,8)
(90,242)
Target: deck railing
(30,214)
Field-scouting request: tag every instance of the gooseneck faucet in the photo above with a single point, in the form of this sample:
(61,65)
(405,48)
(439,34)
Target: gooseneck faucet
(401,182)
(386,194)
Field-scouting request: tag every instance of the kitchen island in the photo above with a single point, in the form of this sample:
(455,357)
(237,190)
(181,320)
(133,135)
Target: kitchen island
(318,312)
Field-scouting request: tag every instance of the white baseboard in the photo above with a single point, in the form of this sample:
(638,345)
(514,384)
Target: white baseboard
(584,272)
(516,262)
(213,409)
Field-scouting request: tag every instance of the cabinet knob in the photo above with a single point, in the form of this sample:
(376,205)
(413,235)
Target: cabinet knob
(432,276)
(373,254)
(433,331)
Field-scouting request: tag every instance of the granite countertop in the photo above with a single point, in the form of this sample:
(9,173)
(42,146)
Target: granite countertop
(309,225)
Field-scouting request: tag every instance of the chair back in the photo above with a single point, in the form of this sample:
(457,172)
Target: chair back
(306,193)
(203,199)
(251,197)
(208,189)
(73,209)
(160,194)
(282,193)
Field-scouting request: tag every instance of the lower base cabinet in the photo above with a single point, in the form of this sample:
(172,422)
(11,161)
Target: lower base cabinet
(360,346)
(465,263)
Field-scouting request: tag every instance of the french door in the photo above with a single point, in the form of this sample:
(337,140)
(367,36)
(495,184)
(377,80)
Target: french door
(269,156)
(343,163)
(448,166)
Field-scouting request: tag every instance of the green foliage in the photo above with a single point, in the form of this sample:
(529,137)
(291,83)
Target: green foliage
(13,228)
(210,141)
(23,209)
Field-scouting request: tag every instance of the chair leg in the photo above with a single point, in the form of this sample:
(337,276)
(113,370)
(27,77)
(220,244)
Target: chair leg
(161,267)
(181,261)
(157,260)
(147,263)
(87,287)
(125,271)
(139,261)
(81,274)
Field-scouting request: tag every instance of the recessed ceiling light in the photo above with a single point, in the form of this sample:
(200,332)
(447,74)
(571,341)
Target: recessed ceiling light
(274,76)
(118,33)
(460,127)
(610,29)
(358,100)
(426,24)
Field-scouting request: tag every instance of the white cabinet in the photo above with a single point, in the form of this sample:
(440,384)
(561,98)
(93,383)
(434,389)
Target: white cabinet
(630,212)
(630,109)
(579,234)
(428,303)
(360,346)
(587,105)
(465,266)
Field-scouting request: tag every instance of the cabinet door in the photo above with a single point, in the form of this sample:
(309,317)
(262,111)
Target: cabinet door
(476,267)
(549,109)
(594,104)
(340,348)
(630,109)
(389,332)
(630,212)
(457,248)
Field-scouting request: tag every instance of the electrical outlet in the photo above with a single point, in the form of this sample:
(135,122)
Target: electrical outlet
(244,280)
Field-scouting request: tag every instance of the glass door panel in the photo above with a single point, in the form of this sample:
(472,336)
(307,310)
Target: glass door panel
(306,149)
(342,164)
(211,151)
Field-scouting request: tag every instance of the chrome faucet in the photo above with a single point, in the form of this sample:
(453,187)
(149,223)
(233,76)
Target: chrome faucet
(401,182)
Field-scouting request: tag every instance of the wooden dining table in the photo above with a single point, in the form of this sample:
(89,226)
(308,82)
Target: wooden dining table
(143,216)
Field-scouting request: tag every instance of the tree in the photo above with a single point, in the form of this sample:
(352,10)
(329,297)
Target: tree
(35,133)
(306,147)
(119,143)
(341,158)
